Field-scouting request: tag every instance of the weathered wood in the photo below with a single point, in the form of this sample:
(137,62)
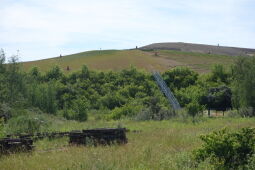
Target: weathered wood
(24,142)
(11,145)
(98,136)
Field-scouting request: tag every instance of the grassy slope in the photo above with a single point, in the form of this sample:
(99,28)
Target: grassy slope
(160,145)
(119,59)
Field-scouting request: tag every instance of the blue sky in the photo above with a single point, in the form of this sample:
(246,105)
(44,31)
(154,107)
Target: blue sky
(46,28)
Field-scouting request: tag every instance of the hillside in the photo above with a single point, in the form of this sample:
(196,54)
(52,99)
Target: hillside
(201,48)
(142,59)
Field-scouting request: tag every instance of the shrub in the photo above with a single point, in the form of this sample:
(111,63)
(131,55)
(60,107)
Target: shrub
(227,150)
(251,163)
(81,109)
(5,111)
(194,108)
(125,111)
(54,74)
(219,74)
(180,77)
(78,111)
(112,100)
(162,114)
(1,127)
(27,124)
(247,112)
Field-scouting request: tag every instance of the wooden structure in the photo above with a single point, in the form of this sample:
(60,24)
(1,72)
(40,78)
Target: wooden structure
(24,142)
(98,136)
(11,145)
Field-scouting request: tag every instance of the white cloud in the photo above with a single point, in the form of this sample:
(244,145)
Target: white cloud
(46,28)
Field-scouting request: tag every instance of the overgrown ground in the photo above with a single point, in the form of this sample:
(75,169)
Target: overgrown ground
(159,145)
(120,59)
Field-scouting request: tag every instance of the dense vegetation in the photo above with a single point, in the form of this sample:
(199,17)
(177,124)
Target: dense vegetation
(128,93)
(228,150)
(41,101)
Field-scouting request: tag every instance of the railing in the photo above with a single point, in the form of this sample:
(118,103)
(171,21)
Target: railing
(163,87)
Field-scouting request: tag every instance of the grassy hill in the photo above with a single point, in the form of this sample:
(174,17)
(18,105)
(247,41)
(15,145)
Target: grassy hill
(201,48)
(119,59)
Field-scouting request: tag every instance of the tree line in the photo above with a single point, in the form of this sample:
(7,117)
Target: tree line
(127,93)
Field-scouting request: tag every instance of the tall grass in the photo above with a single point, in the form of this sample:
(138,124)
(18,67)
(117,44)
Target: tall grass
(159,145)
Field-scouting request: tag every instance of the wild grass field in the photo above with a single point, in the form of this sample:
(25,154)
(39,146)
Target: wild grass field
(120,59)
(159,145)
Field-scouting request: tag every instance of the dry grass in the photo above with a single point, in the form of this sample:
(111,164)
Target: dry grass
(119,59)
(160,145)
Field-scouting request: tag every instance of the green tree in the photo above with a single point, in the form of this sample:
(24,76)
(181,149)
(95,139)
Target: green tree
(84,72)
(2,61)
(80,108)
(15,81)
(180,77)
(219,74)
(218,98)
(244,82)
(194,108)
(35,73)
(54,74)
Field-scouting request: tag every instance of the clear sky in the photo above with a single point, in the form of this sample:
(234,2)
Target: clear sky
(47,28)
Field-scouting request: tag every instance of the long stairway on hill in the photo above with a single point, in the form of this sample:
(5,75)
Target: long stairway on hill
(167,92)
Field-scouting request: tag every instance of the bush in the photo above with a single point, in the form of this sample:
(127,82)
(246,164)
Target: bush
(227,150)
(54,74)
(111,101)
(180,77)
(27,124)
(194,108)
(251,163)
(247,112)
(78,111)
(162,114)
(5,111)
(80,107)
(1,127)
(125,111)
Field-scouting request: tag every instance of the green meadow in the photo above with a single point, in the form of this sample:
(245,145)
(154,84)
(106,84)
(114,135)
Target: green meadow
(155,145)
(121,59)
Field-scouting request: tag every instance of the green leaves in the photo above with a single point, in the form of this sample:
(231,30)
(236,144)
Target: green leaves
(227,150)
(244,82)
(180,77)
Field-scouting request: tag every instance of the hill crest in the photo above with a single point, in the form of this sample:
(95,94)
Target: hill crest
(200,48)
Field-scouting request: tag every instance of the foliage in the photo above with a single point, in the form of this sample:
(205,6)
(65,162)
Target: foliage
(192,93)
(43,96)
(155,111)
(53,74)
(14,81)
(26,123)
(194,108)
(180,77)
(2,60)
(219,74)
(1,127)
(5,111)
(124,111)
(227,150)
(218,98)
(246,111)
(244,82)
(76,94)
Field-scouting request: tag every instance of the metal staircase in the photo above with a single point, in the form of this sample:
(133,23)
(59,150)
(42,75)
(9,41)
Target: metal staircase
(163,87)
